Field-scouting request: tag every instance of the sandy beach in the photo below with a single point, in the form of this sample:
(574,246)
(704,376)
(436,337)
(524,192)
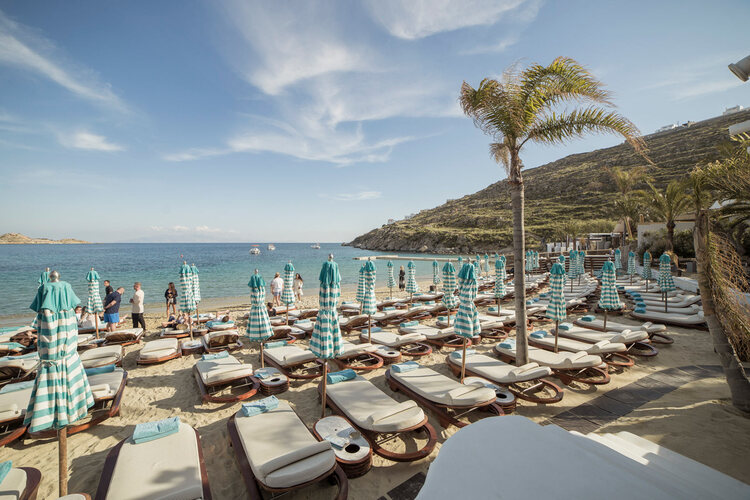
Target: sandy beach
(696,419)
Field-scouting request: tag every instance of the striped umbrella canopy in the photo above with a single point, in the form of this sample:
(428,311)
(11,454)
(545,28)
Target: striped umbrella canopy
(187,303)
(631,263)
(609,300)
(391,279)
(467,319)
(487,264)
(196,285)
(665,280)
(44,277)
(369,303)
(435,272)
(573,264)
(326,340)
(536,259)
(94,302)
(411,278)
(527,263)
(581,262)
(478,258)
(450,301)
(460,261)
(618,259)
(287,294)
(258,325)
(361,284)
(561,261)
(500,290)
(497,255)
(646,273)
(477,269)
(556,309)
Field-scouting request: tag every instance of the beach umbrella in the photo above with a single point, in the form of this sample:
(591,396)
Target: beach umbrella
(477,268)
(500,290)
(326,342)
(536,259)
(450,301)
(609,300)
(411,280)
(618,260)
(646,272)
(391,279)
(467,319)
(287,293)
(572,267)
(561,261)
(460,262)
(187,303)
(369,304)
(486,264)
(435,273)
(44,277)
(94,304)
(556,309)
(665,280)
(361,286)
(61,394)
(258,325)
(631,265)
(196,289)
(581,264)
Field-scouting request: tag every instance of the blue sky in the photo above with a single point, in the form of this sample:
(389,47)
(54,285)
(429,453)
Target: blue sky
(307,121)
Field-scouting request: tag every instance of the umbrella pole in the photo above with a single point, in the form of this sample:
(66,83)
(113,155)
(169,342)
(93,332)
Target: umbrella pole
(261,355)
(463,361)
(369,328)
(190,322)
(605,320)
(665,301)
(62,448)
(96,321)
(323,398)
(557,332)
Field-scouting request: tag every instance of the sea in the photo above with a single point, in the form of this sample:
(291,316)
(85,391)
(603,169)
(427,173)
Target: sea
(224,268)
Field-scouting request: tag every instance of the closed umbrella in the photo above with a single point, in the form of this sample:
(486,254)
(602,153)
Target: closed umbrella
(369,304)
(646,273)
(187,303)
(631,265)
(486,265)
(61,394)
(44,277)
(94,303)
(435,273)
(467,318)
(666,282)
(556,309)
(477,267)
(500,290)
(326,342)
(411,280)
(618,260)
(391,279)
(287,294)
(460,262)
(258,324)
(361,286)
(450,301)
(572,267)
(561,261)
(609,300)
(581,264)
(196,290)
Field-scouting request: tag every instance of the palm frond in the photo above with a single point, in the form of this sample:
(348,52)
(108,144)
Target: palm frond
(500,152)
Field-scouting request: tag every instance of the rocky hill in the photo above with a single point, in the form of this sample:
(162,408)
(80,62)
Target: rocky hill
(575,186)
(20,239)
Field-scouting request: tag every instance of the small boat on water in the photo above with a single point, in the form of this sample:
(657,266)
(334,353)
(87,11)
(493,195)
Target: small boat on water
(255,250)
(315,246)
(271,246)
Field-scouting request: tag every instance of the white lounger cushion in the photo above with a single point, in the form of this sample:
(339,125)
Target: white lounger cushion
(101,356)
(370,408)
(106,385)
(677,319)
(350,349)
(501,372)
(592,336)
(289,355)
(440,389)
(22,364)
(429,332)
(159,348)
(132,332)
(13,405)
(556,361)
(386,315)
(216,371)
(613,326)
(281,451)
(601,347)
(13,484)
(392,339)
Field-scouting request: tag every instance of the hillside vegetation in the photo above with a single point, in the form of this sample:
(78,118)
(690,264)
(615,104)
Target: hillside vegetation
(21,239)
(575,186)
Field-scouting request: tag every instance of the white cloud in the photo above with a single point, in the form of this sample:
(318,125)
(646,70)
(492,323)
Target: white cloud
(413,19)
(22,48)
(497,47)
(359,196)
(88,141)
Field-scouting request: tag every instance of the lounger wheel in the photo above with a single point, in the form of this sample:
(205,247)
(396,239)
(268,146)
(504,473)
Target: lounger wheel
(643,350)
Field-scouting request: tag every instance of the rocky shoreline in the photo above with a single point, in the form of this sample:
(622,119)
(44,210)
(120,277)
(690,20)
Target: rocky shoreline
(21,239)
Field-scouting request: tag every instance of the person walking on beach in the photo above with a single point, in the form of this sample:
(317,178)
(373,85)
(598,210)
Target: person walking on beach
(108,288)
(277,285)
(112,309)
(401,279)
(171,296)
(298,283)
(137,313)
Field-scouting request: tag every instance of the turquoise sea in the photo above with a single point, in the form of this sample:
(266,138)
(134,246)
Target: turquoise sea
(225,268)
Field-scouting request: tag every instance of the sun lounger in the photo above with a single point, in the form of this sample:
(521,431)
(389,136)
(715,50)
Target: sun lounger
(525,382)
(175,333)
(306,313)
(222,341)
(448,399)
(128,336)
(357,322)
(445,337)
(14,400)
(567,366)
(416,312)
(306,325)
(655,331)
(102,356)
(362,356)
(102,326)
(637,341)
(225,372)
(612,353)
(21,483)
(218,326)
(411,344)
(678,301)
(284,456)
(693,320)
(293,361)
(170,467)
(373,412)
(18,368)
(159,351)
(386,316)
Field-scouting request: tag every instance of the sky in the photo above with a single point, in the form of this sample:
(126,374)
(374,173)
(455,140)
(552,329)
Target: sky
(257,121)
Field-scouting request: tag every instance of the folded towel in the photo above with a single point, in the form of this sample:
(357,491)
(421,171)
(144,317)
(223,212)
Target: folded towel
(218,355)
(492,309)
(18,386)
(264,373)
(535,299)
(529,302)
(539,334)
(11,346)
(337,441)
(336,377)
(409,323)
(143,433)
(4,469)
(376,329)
(640,310)
(406,366)
(389,308)
(271,345)
(100,369)
(303,322)
(442,318)
(506,345)
(458,354)
(588,317)
(259,406)
(565,326)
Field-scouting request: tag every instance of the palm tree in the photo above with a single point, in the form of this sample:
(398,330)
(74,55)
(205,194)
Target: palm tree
(525,106)
(626,206)
(667,205)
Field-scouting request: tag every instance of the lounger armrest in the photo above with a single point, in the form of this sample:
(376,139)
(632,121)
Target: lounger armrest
(602,344)
(647,324)
(523,368)
(100,388)
(293,457)
(390,411)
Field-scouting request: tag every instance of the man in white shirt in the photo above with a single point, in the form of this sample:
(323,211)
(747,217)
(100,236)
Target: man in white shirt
(137,301)
(277,285)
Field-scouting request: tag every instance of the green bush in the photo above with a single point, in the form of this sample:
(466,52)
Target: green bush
(683,244)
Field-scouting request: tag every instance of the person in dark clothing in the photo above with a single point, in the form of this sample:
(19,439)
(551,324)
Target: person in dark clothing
(171,296)
(108,288)
(112,309)
(401,278)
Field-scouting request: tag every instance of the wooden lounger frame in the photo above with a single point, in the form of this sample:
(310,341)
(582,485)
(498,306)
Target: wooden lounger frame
(23,376)
(33,479)
(444,413)
(126,343)
(614,359)
(591,375)
(637,348)
(229,346)
(163,359)
(361,361)
(251,382)
(111,460)
(372,436)
(290,372)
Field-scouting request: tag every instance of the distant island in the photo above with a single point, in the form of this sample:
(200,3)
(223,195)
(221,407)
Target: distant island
(21,239)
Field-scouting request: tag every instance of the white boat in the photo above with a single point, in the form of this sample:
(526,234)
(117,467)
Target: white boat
(271,246)
(315,246)
(255,251)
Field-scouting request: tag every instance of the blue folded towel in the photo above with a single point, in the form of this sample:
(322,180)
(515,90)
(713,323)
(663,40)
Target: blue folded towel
(565,326)
(588,317)
(336,377)
(18,386)
(529,302)
(410,323)
(389,308)
(507,345)
(149,431)
(376,329)
(406,366)
(260,406)
(11,346)
(442,318)
(4,469)
(430,303)
(212,324)
(100,369)
(264,373)
(459,353)
(640,309)
(271,345)
(535,299)
(27,356)
(635,294)
(492,309)
(218,355)
(539,334)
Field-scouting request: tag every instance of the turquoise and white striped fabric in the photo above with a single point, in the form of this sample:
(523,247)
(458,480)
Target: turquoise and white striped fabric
(361,284)
(187,303)
(467,318)
(287,293)
(527,263)
(500,290)
(618,259)
(391,279)
(665,280)
(609,299)
(556,309)
(487,264)
(631,263)
(326,340)
(573,265)
(536,260)
(450,301)
(258,325)
(369,304)
(411,278)
(460,262)
(561,261)
(94,302)
(61,393)
(581,261)
(477,269)
(196,285)
(646,273)
(435,272)
(43,278)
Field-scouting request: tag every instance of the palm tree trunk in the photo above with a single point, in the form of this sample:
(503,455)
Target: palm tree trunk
(739,385)
(519,252)
(670,235)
